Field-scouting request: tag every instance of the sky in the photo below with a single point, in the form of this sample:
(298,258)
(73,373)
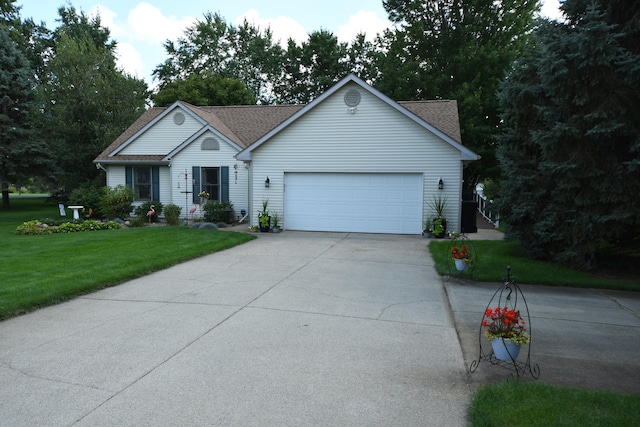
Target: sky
(141,27)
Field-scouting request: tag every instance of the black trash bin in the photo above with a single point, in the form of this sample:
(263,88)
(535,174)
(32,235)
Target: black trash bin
(469,209)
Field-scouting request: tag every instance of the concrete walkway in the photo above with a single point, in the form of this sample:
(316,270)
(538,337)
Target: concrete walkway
(289,329)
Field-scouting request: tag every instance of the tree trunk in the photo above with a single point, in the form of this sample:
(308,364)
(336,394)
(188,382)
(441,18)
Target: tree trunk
(5,199)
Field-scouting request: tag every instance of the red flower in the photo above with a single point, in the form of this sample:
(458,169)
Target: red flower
(505,322)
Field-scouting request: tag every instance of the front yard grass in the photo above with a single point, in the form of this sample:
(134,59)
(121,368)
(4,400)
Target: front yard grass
(46,269)
(518,404)
(493,256)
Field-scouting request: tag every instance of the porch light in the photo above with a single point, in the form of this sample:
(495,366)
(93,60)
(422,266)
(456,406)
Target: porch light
(440,184)
(266,183)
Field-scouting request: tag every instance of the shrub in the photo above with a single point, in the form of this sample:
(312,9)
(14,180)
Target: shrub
(90,197)
(138,221)
(218,212)
(69,227)
(29,228)
(117,202)
(141,211)
(172,214)
(34,227)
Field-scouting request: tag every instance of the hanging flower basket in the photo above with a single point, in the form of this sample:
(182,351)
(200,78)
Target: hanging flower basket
(505,349)
(461,256)
(461,265)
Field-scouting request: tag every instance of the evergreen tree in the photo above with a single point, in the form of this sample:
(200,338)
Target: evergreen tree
(21,157)
(570,154)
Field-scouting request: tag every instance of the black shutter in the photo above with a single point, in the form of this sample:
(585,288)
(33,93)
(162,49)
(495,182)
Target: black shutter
(155,183)
(195,174)
(128,176)
(224,184)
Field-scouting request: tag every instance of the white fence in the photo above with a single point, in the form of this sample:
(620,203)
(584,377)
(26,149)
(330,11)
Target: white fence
(485,207)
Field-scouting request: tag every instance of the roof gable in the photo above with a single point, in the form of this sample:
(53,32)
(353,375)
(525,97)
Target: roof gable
(413,110)
(249,126)
(197,135)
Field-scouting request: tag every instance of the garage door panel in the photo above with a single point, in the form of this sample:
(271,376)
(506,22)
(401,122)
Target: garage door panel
(367,203)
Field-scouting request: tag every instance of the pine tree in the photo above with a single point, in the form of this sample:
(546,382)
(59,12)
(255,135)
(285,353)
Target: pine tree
(16,95)
(570,154)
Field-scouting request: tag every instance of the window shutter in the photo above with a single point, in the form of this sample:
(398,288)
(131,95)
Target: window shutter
(224,184)
(195,174)
(155,182)
(128,176)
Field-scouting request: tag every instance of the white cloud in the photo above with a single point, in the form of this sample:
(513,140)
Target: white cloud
(282,27)
(147,23)
(362,22)
(550,9)
(140,37)
(129,59)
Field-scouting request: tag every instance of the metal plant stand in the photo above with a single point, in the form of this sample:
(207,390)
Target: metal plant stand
(509,295)
(466,274)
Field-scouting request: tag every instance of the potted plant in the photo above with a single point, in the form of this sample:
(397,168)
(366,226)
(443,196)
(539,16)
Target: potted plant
(461,256)
(507,332)
(438,206)
(276,223)
(426,230)
(264,220)
(438,228)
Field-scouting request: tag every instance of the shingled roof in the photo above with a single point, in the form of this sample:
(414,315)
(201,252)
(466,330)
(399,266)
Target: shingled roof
(246,124)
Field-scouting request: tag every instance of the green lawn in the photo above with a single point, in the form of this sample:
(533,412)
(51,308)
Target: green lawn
(517,404)
(47,269)
(492,257)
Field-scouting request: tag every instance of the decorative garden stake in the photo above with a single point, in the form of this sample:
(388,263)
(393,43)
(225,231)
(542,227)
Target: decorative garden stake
(508,328)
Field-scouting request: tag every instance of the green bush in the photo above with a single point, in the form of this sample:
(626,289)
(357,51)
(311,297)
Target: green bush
(141,211)
(218,212)
(69,227)
(138,221)
(172,214)
(29,228)
(89,196)
(117,202)
(34,227)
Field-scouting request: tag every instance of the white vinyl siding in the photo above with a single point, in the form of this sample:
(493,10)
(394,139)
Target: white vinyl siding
(163,136)
(193,155)
(374,139)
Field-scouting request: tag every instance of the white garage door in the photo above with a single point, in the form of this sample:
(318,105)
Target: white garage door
(363,203)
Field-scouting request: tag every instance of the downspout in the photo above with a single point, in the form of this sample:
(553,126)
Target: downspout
(99,166)
(249,192)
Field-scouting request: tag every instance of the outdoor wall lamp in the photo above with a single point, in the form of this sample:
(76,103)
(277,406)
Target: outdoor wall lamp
(440,184)
(266,183)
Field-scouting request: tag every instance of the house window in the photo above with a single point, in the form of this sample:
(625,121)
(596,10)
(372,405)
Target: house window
(142,183)
(210,144)
(210,182)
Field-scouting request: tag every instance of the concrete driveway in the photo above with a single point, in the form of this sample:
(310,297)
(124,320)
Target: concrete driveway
(290,329)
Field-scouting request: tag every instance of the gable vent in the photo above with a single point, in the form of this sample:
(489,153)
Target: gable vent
(352,98)
(210,144)
(178,118)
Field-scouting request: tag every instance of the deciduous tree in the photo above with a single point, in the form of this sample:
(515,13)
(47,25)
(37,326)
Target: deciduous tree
(86,102)
(455,49)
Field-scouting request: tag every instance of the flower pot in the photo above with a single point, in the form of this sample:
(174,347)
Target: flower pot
(461,265)
(505,350)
